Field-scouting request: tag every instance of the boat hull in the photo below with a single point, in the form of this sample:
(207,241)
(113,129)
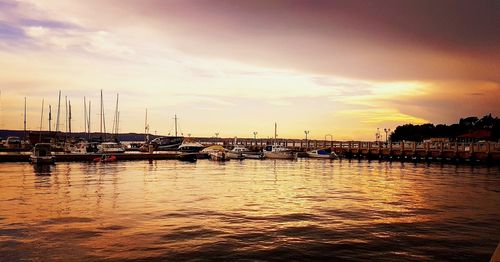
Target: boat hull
(254,155)
(280,155)
(42,160)
(188,157)
(315,155)
(218,156)
(235,155)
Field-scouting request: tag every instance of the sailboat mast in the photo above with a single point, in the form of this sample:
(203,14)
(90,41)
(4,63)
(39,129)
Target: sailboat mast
(50,118)
(175,125)
(103,116)
(66,112)
(41,122)
(69,118)
(146,127)
(58,111)
(25,118)
(115,120)
(275,131)
(84,115)
(88,128)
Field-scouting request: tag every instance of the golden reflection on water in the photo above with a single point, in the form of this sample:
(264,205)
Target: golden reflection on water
(139,209)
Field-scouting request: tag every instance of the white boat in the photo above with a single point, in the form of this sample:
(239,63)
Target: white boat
(78,148)
(190,147)
(110,147)
(322,153)
(216,153)
(278,152)
(218,156)
(42,154)
(237,152)
(241,152)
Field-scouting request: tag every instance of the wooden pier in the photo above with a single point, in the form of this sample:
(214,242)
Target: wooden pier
(483,152)
(426,151)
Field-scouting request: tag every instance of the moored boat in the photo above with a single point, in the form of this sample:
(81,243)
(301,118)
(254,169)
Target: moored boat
(167,143)
(186,156)
(110,147)
(218,156)
(322,153)
(237,152)
(190,147)
(278,152)
(42,154)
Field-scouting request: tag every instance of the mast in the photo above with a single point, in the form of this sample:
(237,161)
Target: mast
(117,123)
(69,118)
(24,118)
(100,115)
(50,118)
(275,131)
(103,117)
(58,111)
(66,113)
(146,127)
(115,119)
(175,125)
(88,122)
(84,115)
(41,122)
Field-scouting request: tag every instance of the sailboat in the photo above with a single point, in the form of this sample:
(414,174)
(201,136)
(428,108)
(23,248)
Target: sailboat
(276,151)
(168,143)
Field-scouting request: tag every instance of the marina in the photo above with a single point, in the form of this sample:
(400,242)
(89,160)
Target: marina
(482,152)
(143,131)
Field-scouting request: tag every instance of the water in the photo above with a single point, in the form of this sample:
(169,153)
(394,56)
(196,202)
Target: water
(249,210)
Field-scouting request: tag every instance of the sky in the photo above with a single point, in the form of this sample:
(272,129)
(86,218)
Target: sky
(339,68)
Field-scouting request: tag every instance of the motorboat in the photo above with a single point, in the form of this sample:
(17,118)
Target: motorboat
(279,152)
(190,147)
(110,147)
(188,157)
(218,156)
(237,152)
(241,152)
(216,152)
(78,148)
(322,153)
(42,154)
(167,143)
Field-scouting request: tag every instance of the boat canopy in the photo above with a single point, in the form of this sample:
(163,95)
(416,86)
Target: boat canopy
(213,148)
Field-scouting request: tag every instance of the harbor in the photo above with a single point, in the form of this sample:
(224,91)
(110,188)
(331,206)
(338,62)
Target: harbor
(480,152)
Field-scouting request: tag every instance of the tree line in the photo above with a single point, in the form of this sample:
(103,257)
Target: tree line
(418,133)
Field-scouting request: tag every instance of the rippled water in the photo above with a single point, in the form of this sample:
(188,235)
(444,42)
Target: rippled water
(249,210)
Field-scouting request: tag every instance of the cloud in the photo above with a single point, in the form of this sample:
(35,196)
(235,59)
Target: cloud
(387,40)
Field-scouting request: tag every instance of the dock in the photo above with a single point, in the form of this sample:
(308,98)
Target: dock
(488,152)
(455,152)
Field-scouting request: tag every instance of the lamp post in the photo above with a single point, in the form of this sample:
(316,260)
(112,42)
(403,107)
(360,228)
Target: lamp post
(386,130)
(329,135)
(255,137)
(377,135)
(306,132)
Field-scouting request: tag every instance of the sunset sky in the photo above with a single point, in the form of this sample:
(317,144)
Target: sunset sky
(233,67)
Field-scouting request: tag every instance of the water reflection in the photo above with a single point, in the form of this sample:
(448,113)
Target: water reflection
(42,170)
(248,210)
